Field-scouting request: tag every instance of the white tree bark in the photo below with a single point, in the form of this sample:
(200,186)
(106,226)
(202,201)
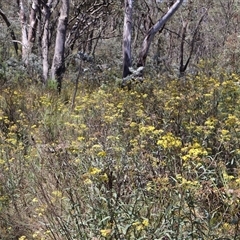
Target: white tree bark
(32,29)
(33,21)
(25,45)
(58,66)
(153,30)
(45,39)
(127,32)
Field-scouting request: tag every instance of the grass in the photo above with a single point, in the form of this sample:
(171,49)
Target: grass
(160,161)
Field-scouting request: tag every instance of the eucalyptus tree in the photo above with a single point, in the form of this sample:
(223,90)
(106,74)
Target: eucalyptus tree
(45,40)
(58,65)
(127,33)
(200,30)
(148,38)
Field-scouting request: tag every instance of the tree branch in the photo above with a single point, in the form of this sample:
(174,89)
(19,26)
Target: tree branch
(153,30)
(11,31)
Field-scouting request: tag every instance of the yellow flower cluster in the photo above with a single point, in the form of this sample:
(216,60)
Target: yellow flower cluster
(141,225)
(193,152)
(169,141)
(105,232)
(187,184)
(94,171)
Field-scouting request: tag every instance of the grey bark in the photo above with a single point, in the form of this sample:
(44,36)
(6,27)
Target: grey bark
(45,39)
(153,30)
(58,65)
(25,45)
(127,29)
(33,21)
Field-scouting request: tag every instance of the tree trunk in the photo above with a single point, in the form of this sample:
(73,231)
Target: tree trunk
(45,39)
(58,66)
(33,21)
(153,30)
(25,46)
(127,29)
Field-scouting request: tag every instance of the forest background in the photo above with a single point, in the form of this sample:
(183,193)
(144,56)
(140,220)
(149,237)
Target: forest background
(87,152)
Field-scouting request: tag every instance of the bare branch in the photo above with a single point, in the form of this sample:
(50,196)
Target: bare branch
(154,29)
(183,66)
(11,30)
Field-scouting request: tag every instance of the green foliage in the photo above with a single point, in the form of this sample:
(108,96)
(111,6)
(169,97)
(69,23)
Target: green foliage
(160,161)
(52,84)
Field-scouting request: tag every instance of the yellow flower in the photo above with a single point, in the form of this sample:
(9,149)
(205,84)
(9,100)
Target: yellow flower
(145,222)
(149,186)
(226,226)
(169,141)
(57,194)
(193,152)
(47,232)
(13,128)
(141,225)
(94,170)
(227,177)
(2,161)
(102,154)
(136,223)
(96,146)
(103,177)
(35,200)
(133,124)
(146,130)
(232,120)
(23,238)
(35,235)
(211,122)
(105,232)
(88,181)
(237,181)
(224,132)
(80,138)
